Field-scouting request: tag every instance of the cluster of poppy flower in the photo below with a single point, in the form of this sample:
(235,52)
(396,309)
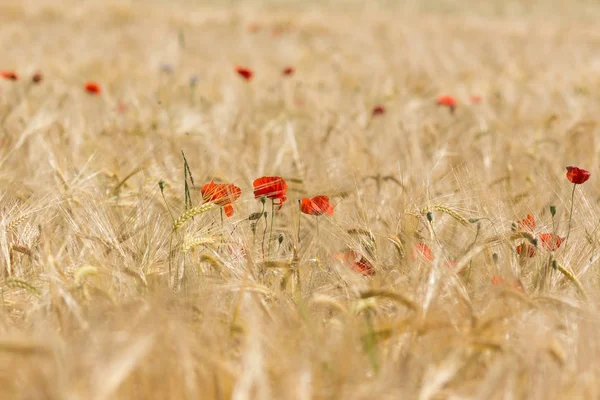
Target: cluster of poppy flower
(275,188)
(90,87)
(268,187)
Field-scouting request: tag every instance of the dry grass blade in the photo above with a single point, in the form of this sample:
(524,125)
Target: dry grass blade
(397,297)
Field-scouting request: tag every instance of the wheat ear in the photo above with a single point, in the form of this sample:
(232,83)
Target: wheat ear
(192,212)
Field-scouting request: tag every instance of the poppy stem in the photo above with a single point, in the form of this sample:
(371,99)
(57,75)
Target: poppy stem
(221,217)
(570,213)
(161,185)
(271,231)
(299,219)
(262,213)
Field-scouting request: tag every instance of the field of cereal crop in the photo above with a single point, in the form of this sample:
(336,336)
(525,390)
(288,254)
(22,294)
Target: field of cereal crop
(299,200)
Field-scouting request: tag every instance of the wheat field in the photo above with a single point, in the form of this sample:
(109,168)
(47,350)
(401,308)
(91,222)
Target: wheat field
(120,281)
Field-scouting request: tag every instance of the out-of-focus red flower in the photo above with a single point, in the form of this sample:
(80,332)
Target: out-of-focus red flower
(551,241)
(244,72)
(476,99)
(357,262)
(527,224)
(497,280)
(271,187)
(526,250)
(378,110)
(421,249)
(221,194)
(253,27)
(577,175)
(37,77)
(93,88)
(447,101)
(318,205)
(287,71)
(9,75)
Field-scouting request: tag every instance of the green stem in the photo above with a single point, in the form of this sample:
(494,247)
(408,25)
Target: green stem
(271,231)
(570,214)
(262,213)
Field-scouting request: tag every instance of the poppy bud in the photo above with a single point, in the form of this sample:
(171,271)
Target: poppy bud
(280,238)
(161,185)
(254,216)
(553,210)
(495,258)
(554,264)
(430,216)
(474,220)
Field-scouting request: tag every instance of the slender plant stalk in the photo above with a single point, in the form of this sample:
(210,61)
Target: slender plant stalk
(262,213)
(271,231)
(570,214)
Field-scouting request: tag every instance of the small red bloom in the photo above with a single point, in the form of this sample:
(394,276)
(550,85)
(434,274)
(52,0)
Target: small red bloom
(526,250)
(528,224)
(288,71)
(92,88)
(253,27)
(244,72)
(318,205)
(357,261)
(422,250)
(221,194)
(378,110)
(271,187)
(37,77)
(551,241)
(497,280)
(577,175)
(9,75)
(476,99)
(447,101)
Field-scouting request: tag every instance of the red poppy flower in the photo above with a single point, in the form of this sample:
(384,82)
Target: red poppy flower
(288,71)
(244,72)
(497,280)
(37,77)
(551,241)
(318,205)
(92,88)
(271,187)
(526,250)
(577,175)
(221,194)
(357,261)
(421,249)
(9,75)
(378,110)
(253,27)
(476,99)
(528,224)
(447,101)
